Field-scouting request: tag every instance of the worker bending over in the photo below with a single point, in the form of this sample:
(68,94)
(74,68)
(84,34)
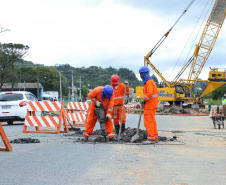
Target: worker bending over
(101,107)
(119,91)
(150,104)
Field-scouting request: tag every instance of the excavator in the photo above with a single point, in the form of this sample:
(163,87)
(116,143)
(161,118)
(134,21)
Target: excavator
(180,90)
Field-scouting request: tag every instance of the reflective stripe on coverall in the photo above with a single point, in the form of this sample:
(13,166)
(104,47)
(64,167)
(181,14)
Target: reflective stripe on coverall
(151,104)
(95,95)
(118,100)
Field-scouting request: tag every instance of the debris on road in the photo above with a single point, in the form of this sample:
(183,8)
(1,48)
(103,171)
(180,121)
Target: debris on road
(96,136)
(24,140)
(176,110)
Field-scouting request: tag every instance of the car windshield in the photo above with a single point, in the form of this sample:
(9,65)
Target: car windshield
(11,97)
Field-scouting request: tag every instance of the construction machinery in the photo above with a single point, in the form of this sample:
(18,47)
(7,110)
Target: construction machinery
(180,90)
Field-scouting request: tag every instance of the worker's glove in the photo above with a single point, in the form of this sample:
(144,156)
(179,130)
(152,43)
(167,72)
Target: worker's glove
(127,83)
(98,103)
(108,116)
(142,103)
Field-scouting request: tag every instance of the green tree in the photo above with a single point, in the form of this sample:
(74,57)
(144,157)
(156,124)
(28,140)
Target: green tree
(6,68)
(155,79)
(218,94)
(10,53)
(85,91)
(15,51)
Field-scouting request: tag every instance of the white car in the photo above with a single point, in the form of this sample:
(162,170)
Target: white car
(13,105)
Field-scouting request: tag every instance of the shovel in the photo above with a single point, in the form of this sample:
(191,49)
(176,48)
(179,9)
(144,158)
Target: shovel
(136,136)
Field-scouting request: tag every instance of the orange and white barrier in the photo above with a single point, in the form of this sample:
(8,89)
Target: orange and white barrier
(83,108)
(129,108)
(33,120)
(5,140)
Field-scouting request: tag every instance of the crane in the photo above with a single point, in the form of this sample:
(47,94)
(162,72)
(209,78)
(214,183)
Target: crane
(180,90)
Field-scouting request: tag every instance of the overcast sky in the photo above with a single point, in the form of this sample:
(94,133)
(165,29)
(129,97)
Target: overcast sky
(117,33)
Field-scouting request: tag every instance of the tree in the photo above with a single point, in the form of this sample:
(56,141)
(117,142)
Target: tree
(15,51)
(10,53)
(85,91)
(155,79)
(6,68)
(3,29)
(218,94)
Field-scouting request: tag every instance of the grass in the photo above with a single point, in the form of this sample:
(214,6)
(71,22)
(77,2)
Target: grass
(212,102)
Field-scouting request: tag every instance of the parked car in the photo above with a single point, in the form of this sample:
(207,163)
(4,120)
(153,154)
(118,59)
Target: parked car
(47,97)
(165,103)
(13,105)
(134,104)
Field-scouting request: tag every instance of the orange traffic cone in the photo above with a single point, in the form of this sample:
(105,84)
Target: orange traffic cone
(214,113)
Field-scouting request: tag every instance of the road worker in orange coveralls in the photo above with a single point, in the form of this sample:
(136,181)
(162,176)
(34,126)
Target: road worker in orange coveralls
(119,90)
(100,97)
(150,104)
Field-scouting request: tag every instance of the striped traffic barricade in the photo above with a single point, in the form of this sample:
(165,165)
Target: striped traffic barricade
(33,120)
(129,108)
(5,140)
(78,112)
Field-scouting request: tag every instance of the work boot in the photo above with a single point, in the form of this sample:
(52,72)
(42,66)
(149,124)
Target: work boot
(148,142)
(116,130)
(123,133)
(112,139)
(156,138)
(84,138)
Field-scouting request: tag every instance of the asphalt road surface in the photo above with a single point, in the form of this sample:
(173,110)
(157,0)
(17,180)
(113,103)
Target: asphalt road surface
(197,157)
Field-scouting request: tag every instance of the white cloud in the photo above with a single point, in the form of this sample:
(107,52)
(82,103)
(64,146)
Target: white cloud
(102,33)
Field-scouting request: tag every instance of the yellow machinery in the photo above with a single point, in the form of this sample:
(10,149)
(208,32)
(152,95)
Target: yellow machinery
(180,90)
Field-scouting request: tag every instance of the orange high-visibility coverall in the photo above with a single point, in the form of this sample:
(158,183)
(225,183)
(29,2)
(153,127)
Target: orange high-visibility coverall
(95,95)
(150,97)
(118,101)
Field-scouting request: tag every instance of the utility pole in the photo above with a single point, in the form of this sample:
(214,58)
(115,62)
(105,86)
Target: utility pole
(72,87)
(80,81)
(69,93)
(37,83)
(60,87)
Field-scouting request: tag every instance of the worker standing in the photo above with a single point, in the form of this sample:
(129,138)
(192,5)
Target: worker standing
(119,91)
(150,104)
(224,100)
(101,107)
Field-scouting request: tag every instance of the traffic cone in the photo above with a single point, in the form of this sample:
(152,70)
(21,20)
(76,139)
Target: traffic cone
(214,112)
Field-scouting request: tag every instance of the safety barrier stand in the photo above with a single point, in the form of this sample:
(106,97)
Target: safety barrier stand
(72,116)
(129,108)
(5,140)
(45,121)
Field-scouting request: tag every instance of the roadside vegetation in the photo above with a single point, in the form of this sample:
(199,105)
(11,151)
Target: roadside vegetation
(14,69)
(215,98)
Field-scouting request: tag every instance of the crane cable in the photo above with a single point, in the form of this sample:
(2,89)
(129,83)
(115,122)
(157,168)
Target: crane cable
(167,33)
(200,28)
(190,37)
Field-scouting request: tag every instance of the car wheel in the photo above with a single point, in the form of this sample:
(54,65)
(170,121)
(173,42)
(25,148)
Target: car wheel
(10,122)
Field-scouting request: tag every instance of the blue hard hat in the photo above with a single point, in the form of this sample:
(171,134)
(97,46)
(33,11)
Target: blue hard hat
(144,69)
(107,91)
